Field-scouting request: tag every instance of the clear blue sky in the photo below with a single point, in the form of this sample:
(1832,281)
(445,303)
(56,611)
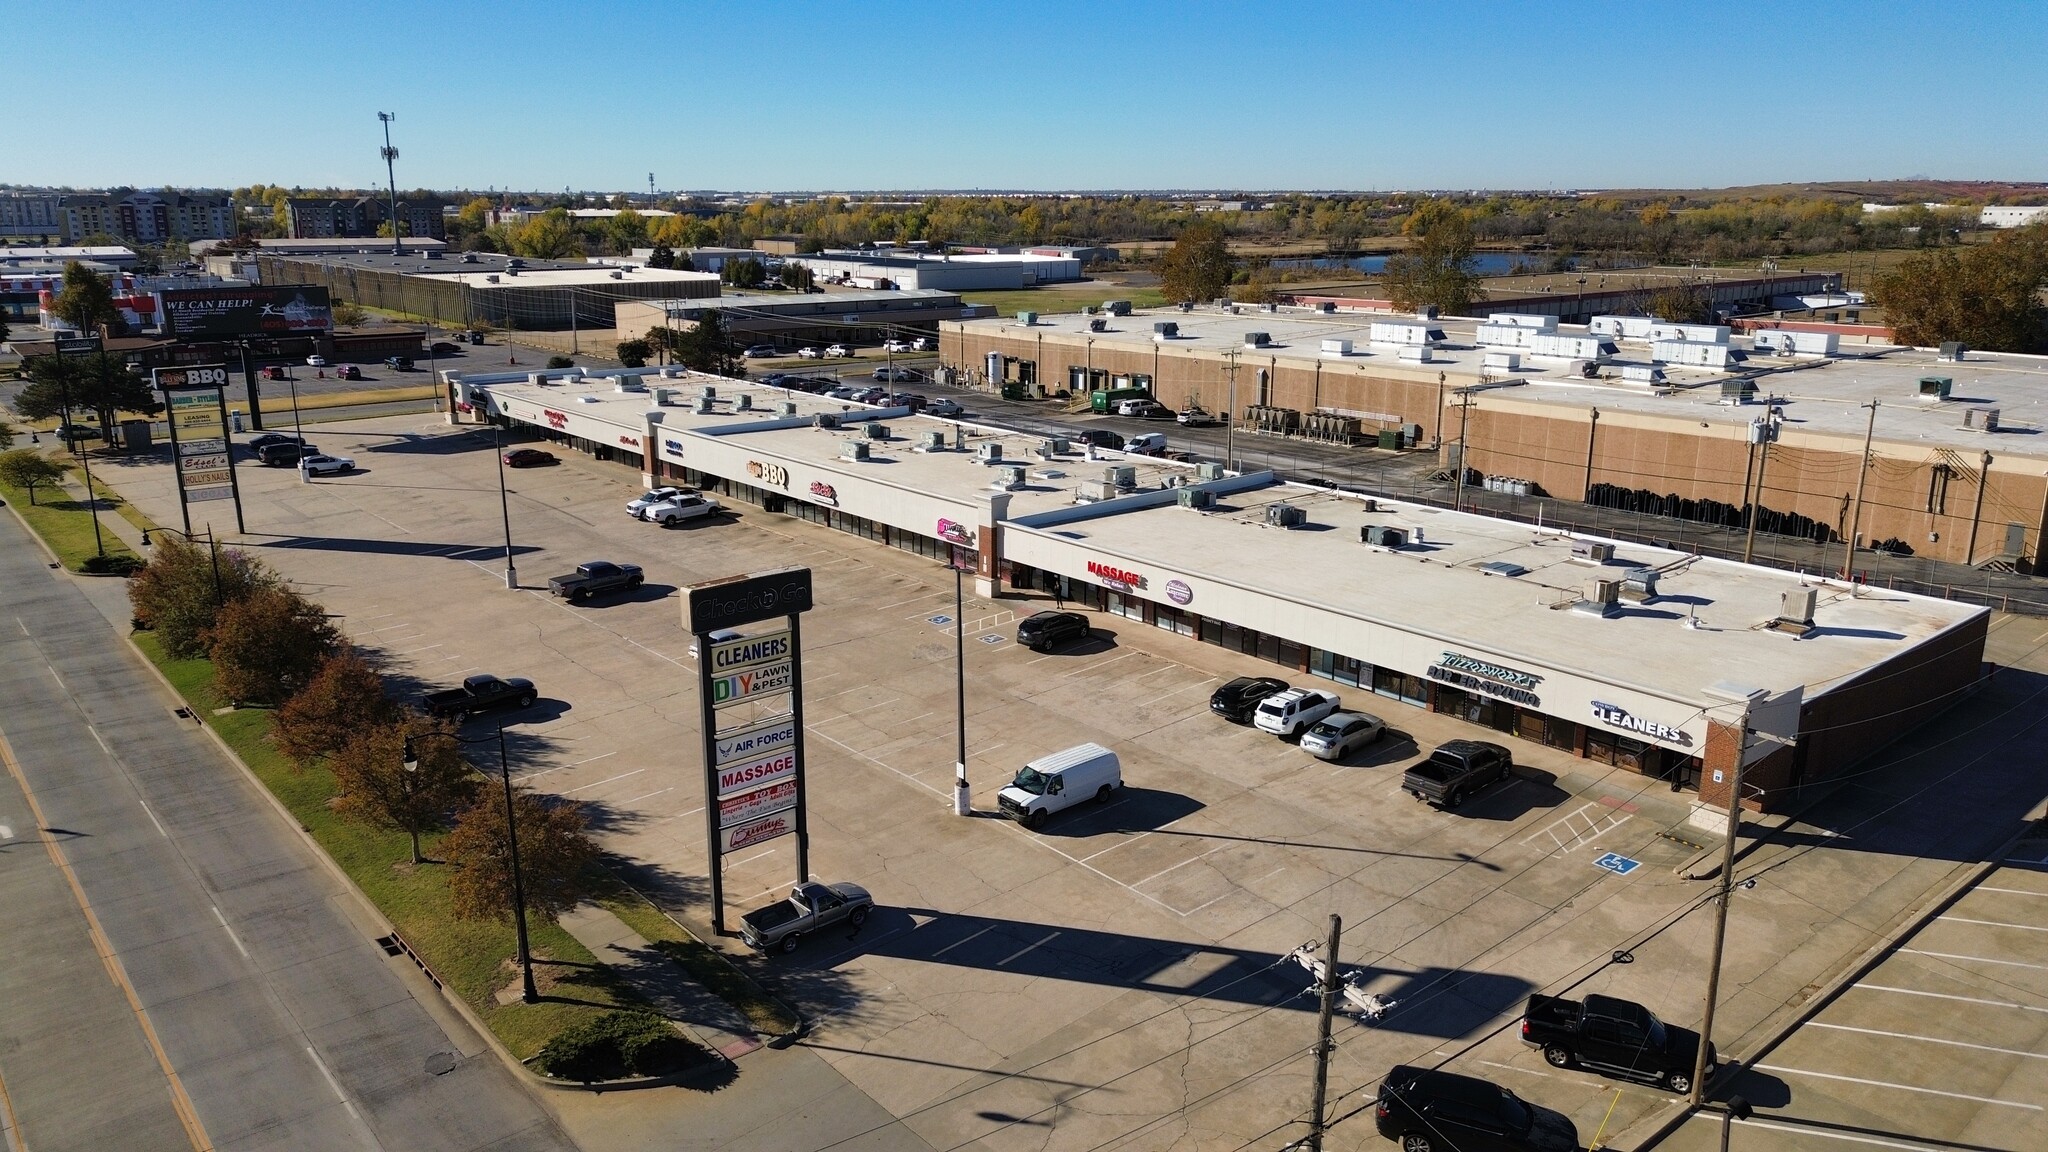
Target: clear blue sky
(961,94)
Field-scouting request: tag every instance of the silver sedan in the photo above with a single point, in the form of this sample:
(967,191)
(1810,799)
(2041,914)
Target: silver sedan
(1341,733)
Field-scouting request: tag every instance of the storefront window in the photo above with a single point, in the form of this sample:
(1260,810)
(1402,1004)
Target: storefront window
(1342,669)
(1173,620)
(1223,635)
(1400,686)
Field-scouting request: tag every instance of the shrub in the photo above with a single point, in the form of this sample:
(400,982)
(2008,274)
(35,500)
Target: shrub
(110,566)
(268,644)
(344,698)
(178,593)
(615,1045)
(560,362)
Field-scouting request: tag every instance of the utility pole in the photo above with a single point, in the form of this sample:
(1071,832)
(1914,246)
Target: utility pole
(1230,414)
(390,155)
(1464,418)
(1317,1125)
(1862,474)
(1765,431)
(1699,1062)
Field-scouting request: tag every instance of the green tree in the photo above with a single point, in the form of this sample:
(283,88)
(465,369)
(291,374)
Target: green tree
(179,592)
(376,788)
(1987,296)
(1197,267)
(560,362)
(87,300)
(68,384)
(746,272)
(703,346)
(268,645)
(348,314)
(798,277)
(548,236)
(1437,269)
(1682,304)
(663,256)
(26,468)
(634,353)
(475,215)
(555,855)
(344,698)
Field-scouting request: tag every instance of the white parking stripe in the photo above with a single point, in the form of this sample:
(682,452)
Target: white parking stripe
(1182,864)
(1929,1040)
(1897,1087)
(2012,891)
(1991,923)
(1947,996)
(603,782)
(1046,939)
(1978,959)
(1823,1133)
(963,940)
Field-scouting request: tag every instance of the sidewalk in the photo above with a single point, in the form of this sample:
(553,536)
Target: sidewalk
(645,969)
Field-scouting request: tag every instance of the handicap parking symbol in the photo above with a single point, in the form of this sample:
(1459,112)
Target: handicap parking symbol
(941,621)
(1618,864)
(991,639)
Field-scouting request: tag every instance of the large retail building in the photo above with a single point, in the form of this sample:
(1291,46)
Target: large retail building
(1666,663)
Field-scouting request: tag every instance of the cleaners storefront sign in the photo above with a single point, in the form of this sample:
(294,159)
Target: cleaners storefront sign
(1620,718)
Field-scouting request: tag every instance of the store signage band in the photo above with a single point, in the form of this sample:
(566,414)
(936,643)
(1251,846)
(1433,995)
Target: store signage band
(728,656)
(954,532)
(750,806)
(754,773)
(773,474)
(1494,688)
(762,681)
(757,740)
(1620,718)
(824,493)
(1472,666)
(559,421)
(1109,574)
(766,828)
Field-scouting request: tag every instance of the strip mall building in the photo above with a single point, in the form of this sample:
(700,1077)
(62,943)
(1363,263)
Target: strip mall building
(1662,662)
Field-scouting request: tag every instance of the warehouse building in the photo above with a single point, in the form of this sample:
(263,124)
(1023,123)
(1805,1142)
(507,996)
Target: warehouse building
(1652,660)
(1701,424)
(786,320)
(910,269)
(507,291)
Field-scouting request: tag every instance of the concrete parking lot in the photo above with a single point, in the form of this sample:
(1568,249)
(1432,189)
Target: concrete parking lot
(1121,976)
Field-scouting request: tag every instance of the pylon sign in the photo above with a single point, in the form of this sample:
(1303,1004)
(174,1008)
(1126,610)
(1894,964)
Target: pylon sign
(196,401)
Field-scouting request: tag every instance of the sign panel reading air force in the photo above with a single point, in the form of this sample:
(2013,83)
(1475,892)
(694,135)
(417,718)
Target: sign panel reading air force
(777,735)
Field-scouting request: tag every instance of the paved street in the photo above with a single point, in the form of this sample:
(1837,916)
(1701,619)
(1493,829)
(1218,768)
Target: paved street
(237,969)
(1122,976)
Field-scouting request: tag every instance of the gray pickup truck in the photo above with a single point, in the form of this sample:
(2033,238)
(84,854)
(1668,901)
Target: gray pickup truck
(1457,769)
(593,577)
(809,907)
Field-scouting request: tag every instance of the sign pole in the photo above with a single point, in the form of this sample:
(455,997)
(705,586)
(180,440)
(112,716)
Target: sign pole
(234,484)
(796,712)
(707,720)
(249,381)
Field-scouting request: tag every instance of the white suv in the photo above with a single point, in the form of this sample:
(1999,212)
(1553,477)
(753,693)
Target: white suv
(898,346)
(1290,713)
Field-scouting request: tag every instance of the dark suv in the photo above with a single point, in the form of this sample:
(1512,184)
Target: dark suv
(285,452)
(1431,1111)
(1235,700)
(1045,630)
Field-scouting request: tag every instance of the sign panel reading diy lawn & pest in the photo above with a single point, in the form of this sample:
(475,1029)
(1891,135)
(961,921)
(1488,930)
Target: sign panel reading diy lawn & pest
(764,680)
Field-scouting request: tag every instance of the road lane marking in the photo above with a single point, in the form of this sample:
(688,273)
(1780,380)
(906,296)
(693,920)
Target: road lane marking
(1978,959)
(334,1084)
(1899,1087)
(1046,939)
(1930,1040)
(145,812)
(1991,923)
(231,932)
(1949,996)
(181,1103)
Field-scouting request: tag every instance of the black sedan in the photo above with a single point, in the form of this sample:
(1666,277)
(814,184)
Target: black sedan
(1043,631)
(1236,700)
(529,458)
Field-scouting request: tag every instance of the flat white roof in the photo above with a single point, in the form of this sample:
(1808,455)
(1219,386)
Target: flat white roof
(559,277)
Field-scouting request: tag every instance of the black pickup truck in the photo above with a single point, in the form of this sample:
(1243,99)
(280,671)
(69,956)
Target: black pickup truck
(478,694)
(1618,1037)
(1457,769)
(594,577)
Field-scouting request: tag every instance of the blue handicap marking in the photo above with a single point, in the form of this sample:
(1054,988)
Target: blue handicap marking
(940,620)
(991,639)
(1618,864)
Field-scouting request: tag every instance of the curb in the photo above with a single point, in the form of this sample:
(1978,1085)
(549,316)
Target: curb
(717,1064)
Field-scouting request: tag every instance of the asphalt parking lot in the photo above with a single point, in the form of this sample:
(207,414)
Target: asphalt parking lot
(1942,1045)
(1122,975)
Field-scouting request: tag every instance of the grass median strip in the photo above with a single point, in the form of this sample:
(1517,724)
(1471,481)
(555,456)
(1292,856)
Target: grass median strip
(715,972)
(64,524)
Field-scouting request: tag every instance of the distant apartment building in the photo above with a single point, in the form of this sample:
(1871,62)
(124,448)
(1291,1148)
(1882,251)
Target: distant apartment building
(31,216)
(324,217)
(141,217)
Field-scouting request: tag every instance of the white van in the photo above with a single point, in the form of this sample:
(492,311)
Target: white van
(1145,444)
(1059,781)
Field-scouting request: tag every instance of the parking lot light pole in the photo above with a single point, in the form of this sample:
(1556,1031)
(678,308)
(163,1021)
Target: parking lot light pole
(504,504)
(962,797)
(411,763)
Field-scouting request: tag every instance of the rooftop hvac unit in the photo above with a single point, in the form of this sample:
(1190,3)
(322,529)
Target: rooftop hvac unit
(1737,391)
(1095,491)
(1795,607)
(1197,498)
(744,403)
(1935,388)
(1057,446)
(1209,471)
(1592,551)
(1098,325)
(825,420)
(1117,307)
(1416,353)
(663,397)
(1506,361)
(932,442)
(785,408)
(627,384)
(711,391)
(1123,476)
(704,404)
(854,450)
(875,430)
(1166,328)
(1984,418)
(1336,347)
(1382,536)
(1643,374)
(1285,516)
(618,275)
(1523,320)
(1426,312)
(1601,595)
(1639,584)
(1009,477)
(989,453)
(1257,339)
(1027,319)
(1953,352)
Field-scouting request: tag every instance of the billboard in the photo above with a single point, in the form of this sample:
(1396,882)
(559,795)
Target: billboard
(226,313)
